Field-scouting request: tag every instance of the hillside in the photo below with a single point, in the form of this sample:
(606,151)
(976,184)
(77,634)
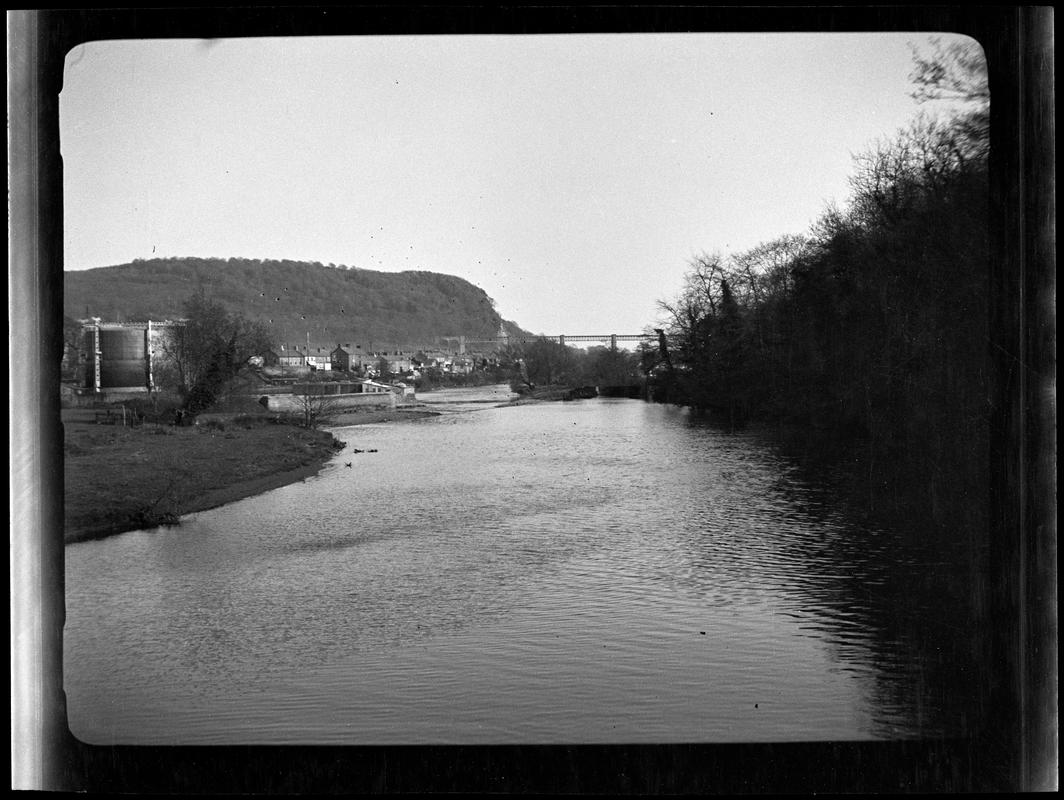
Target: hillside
(331,304)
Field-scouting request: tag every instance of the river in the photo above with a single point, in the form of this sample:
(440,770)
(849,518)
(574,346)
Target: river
(598,571)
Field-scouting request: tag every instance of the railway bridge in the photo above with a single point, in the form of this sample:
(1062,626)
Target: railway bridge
(501,341)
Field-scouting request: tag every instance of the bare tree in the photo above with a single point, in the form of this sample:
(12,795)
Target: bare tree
(73,342)
(210,348)
(317,403)
(956,71)
(763,272)
(548,362)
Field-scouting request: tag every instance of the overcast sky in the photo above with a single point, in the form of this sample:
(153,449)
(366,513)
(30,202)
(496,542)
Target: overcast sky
(572,177)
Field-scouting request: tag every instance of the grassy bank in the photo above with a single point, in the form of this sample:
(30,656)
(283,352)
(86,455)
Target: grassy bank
(120,478)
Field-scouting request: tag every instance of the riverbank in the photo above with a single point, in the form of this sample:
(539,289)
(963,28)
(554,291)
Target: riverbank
(121,478)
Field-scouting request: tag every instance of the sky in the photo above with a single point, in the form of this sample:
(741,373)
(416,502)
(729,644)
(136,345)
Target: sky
(572,177)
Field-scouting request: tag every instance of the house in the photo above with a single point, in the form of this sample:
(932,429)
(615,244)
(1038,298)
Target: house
(291,358)
(398,361)
(346,358)
(319,361)
(462,365)
(312,357)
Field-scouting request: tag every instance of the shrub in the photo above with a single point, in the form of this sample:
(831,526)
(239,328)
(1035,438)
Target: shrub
(200,398)
(249,421)
(157,409)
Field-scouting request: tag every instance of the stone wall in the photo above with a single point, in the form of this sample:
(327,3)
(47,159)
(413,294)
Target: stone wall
(293,403)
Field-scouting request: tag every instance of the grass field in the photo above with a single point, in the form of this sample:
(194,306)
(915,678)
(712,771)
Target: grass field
(121,478)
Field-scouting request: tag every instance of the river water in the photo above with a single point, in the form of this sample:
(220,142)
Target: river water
(598,571)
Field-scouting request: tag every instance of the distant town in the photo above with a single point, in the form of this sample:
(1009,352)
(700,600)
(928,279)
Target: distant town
(126,361)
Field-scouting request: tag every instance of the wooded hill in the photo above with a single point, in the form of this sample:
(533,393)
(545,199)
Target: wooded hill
(297,298)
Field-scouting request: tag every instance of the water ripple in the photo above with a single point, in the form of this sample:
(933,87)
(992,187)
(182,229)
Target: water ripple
(590,571)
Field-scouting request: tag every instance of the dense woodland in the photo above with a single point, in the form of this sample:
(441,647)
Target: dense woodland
(330,303)
(868,335)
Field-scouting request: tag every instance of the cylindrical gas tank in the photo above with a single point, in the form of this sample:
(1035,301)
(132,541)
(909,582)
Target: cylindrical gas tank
(123,358)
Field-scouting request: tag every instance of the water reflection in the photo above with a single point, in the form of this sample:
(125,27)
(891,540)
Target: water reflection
(595,571)
(893,604)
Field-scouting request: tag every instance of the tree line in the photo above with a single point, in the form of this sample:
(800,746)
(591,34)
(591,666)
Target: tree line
(870,332)
(544,363)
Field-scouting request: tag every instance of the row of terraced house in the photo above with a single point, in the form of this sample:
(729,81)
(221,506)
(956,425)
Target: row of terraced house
(346,358)
(113,361)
